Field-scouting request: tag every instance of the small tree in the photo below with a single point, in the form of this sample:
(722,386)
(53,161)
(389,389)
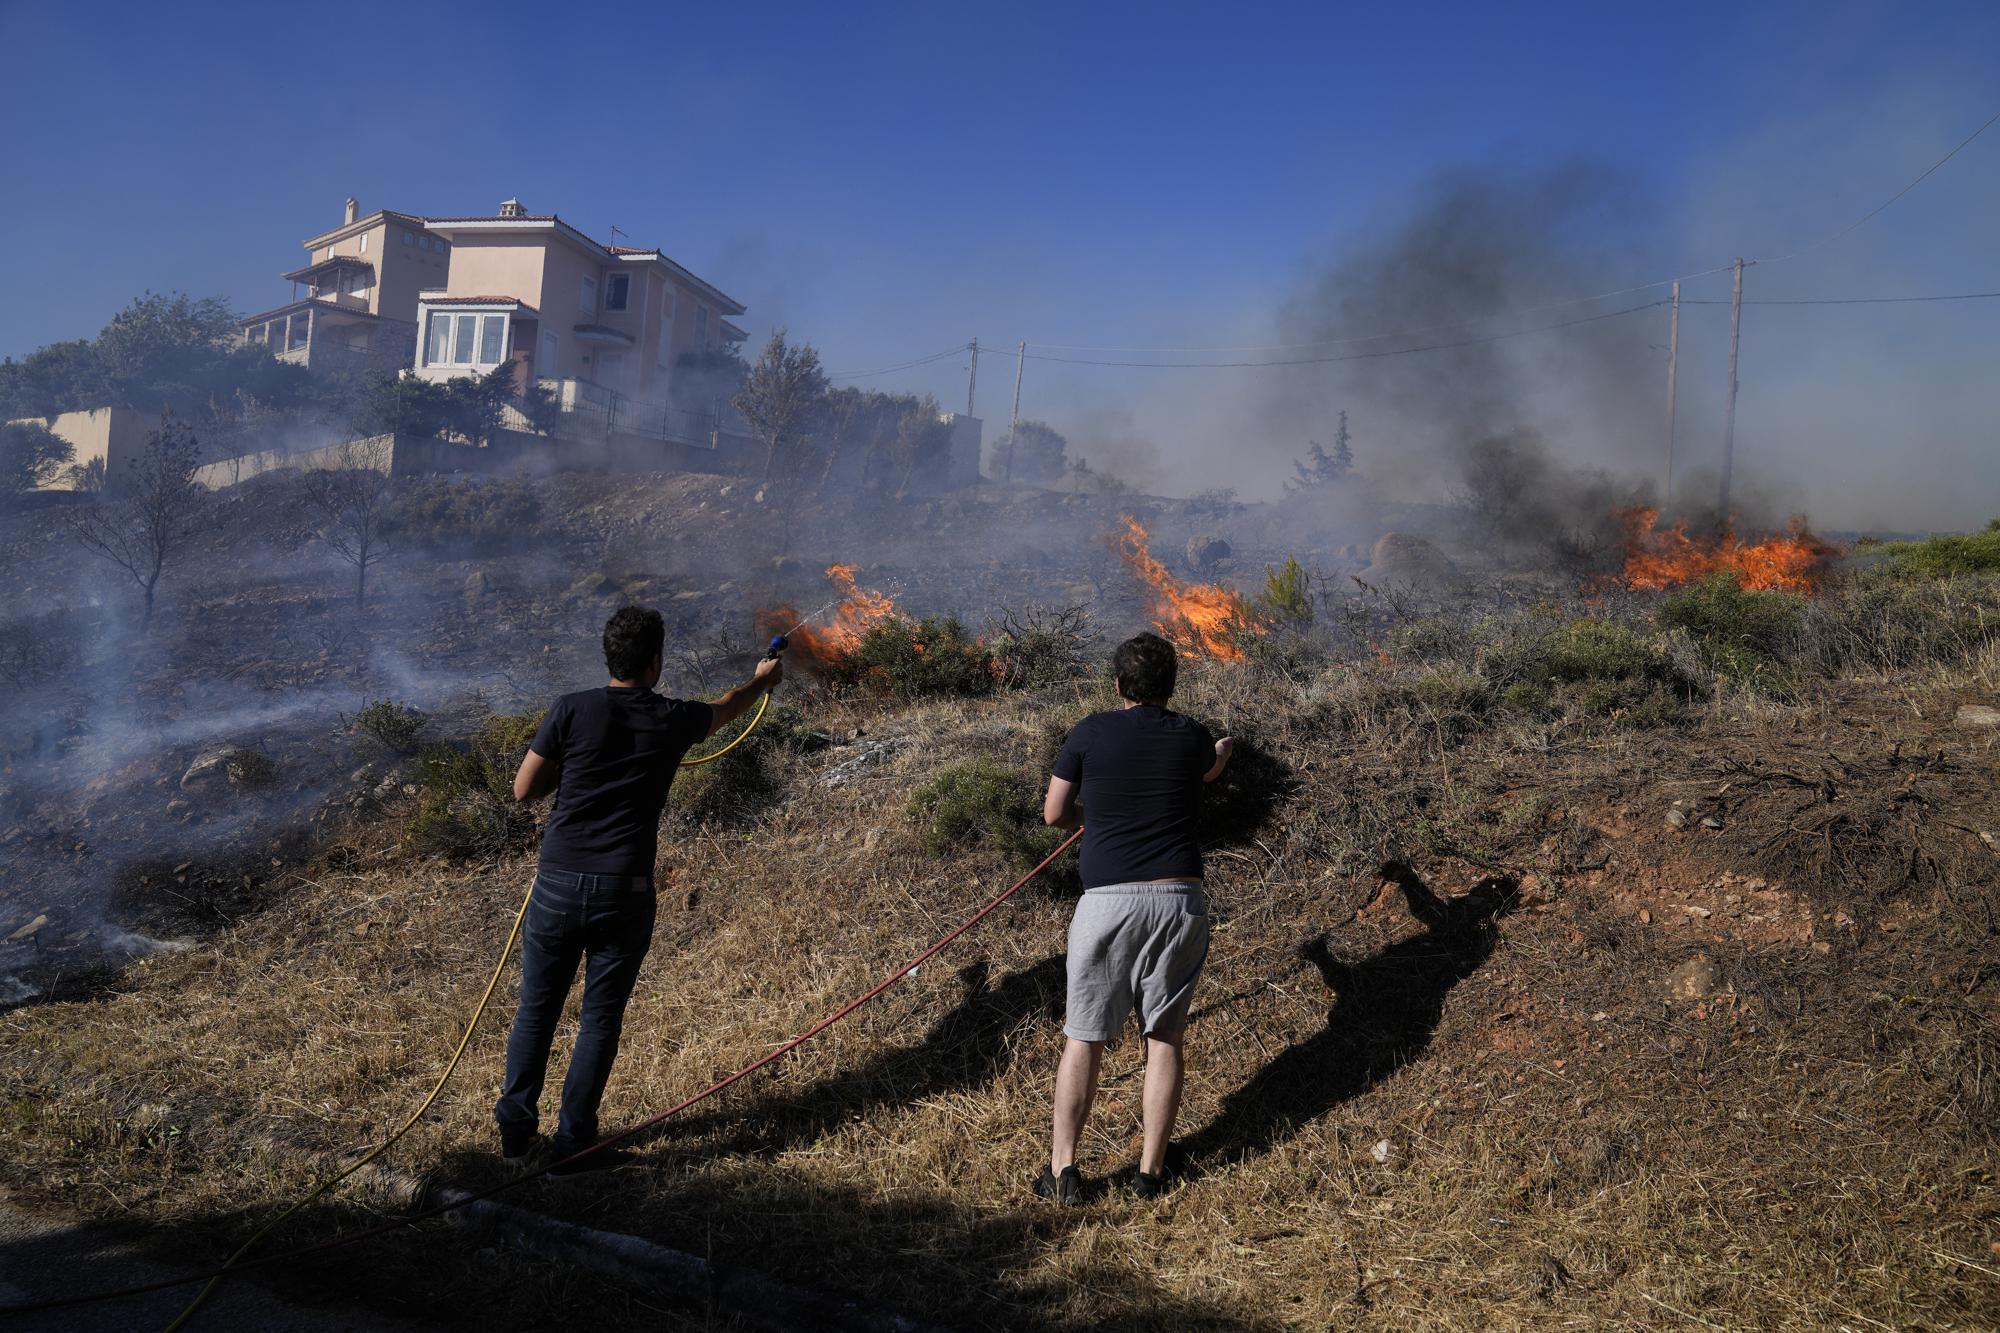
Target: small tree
(153,516)
(781,393)
(31,456)
(1320,468)
(349,501)
(921,441)
(1036,453)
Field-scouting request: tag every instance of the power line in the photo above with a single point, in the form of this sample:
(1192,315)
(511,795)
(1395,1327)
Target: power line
(1351,356)
(1863,300)
(903,365)
(1828,240)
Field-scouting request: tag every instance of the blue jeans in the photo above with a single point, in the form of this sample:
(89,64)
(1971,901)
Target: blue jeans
(607,919)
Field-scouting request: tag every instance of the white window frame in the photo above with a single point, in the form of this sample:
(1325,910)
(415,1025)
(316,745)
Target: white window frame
(496,325)
(586,296)
(624,282)
(438,322)
(364,242)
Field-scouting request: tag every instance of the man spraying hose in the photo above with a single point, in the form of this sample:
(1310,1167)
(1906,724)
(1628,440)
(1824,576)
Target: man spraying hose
(609,755)
(1140,934)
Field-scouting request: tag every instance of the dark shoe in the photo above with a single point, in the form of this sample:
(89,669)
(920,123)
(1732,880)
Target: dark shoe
(577,1163)
(1143,1186)
(519,1146)
(1066,1189)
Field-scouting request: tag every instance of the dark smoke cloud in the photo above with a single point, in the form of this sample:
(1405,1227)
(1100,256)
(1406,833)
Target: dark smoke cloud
(1479,250)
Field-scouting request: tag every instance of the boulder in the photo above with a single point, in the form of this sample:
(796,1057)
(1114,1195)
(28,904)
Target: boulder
(1205,551)
(227,765)
(1696,979)
(1400,558)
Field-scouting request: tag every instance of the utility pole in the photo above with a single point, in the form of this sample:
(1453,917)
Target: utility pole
(1729,412)
(1673,357)
(1014,424)
(972,382)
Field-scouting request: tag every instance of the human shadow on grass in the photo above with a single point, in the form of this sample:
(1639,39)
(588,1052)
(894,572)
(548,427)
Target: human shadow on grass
(1386,1010)
(965,1048)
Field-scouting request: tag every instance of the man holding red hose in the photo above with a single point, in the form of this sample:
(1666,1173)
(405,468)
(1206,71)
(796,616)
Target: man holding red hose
(609,755)
(1140,934)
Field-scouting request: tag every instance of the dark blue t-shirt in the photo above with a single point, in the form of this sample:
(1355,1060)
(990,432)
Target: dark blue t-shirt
(617,750)
(1140,770)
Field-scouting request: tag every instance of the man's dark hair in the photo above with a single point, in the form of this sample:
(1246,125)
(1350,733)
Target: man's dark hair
(1145,666)
(633,637)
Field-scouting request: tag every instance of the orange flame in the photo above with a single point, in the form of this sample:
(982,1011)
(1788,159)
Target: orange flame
(1656,559)
(858,609)
(1198,618)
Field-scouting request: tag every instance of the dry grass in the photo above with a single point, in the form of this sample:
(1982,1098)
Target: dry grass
(1806,1142)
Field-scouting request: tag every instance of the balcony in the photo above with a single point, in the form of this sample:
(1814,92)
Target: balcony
(589,411)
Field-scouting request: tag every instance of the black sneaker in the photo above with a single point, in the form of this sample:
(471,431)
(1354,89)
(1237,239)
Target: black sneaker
(519,1147)
(1143,1186)
(1066,1189)
(591,1159)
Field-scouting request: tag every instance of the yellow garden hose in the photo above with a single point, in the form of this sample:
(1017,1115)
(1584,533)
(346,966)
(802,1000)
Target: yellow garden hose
(492,983)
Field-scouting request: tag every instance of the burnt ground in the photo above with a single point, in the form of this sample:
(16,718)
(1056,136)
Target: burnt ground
(1512,1020)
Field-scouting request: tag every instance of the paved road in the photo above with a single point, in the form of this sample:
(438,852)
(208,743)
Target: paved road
(43,1257)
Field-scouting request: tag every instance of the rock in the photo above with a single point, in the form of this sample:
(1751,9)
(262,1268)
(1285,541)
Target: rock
(1645,917)
(1382,1150)
(478,587)
(1978,715)
(869,755)
(1696,979)
(1699,913)
(598,584)
(1710,822)
(1677,818)
(1206,551)
(232,764)
(1403,559)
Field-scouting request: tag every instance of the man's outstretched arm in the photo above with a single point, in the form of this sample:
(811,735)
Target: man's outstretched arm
(535,779)
(1223,749)
(733,704)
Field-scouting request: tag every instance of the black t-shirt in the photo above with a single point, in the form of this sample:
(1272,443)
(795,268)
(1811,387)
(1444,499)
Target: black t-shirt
(618,749)
(1141,771)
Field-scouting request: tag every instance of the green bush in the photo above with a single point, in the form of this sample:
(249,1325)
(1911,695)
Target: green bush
(390,725)
(1884,620)
(1973,553)
(465,796)
(914,659)
(979,803)
(1593,669)
(1730,619)
(1286,599)
(1450,690)
(1429,639)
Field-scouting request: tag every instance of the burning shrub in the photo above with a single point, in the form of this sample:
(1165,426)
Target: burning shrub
(1041,646)
(979,803)
(914,659)
(390,725)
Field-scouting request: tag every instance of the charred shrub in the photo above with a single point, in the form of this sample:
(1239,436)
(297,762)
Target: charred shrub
(1882,621)
(979,803)
(473,516)
(34,648)
(914,659)
(390,725)
(1040,646)
(1431,639)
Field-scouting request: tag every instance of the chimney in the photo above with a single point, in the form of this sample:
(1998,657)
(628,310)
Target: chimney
(353,209)
(511,208)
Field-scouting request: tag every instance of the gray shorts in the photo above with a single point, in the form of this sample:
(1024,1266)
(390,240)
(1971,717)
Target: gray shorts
(1135,944)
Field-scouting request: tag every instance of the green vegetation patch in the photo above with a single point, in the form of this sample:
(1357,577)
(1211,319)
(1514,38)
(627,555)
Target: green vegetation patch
(1973,553)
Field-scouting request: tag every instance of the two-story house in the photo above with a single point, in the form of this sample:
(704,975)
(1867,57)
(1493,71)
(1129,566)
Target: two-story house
(607,324)
(355,302)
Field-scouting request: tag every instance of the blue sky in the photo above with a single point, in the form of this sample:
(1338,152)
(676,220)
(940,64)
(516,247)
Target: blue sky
(890,180)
